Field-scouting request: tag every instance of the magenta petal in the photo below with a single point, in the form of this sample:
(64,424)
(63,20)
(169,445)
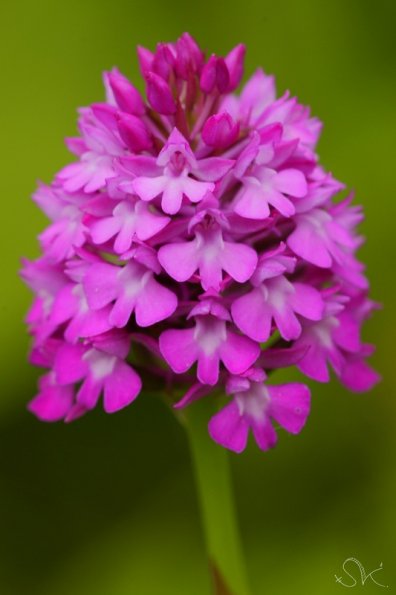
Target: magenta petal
(125,94)
(121,387)
(280,202)
(88,324)
(180,260)
(305,243)
(264,434)
(229,429)
(208,368)
(251,203)
(238,353)
(290,405)
(239,261)
(347,333)
(149,188)
(291,181)
(196,190)
(159,94)
(287,323)
(52,402)
(234,61)
(358,376)
(179,349)
(134,133)
(104,229)
(100,285)
(220,131)
(89,393)
(122,309)
(212,169)
(314,364)
(69,365)
(307,301)
(154,303)
(251,315)
(148,223)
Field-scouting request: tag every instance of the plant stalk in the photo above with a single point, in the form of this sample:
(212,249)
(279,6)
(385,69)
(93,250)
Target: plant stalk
(215,493)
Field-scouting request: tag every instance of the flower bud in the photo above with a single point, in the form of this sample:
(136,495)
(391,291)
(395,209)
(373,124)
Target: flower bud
(134,133)
(159,95)
(220,131)
(127,97)
(234,61)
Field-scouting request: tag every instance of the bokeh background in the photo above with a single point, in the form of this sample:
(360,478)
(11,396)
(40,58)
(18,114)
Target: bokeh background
(107,506)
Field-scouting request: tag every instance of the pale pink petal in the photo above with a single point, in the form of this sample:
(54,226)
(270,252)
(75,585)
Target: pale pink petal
(104,229)
(196,190)
(280,202)
(149,188)
(306,243)
(212,168)
(291,181)
(172,197)
(251,203)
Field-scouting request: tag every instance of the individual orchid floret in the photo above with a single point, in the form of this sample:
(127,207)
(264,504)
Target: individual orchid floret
(262,185)
(208,253)
(277,300)
(335,340)
(131,288)
(208,343)
(130,220)
(196,224)
(254,407)
(70,308)
(100,367)
(67,232)
(97,150)
(170,175)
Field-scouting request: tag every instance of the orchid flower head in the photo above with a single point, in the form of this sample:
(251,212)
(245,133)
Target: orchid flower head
(196,243)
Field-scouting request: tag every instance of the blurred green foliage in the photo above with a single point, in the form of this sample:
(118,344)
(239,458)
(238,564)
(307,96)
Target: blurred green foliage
(107,506)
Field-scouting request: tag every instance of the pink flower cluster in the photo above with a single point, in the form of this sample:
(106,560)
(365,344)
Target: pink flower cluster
(196,244)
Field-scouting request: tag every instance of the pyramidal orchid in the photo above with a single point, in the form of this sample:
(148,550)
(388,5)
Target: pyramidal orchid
(196,245)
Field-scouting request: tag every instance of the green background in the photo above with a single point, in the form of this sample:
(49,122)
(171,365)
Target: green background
(106,506)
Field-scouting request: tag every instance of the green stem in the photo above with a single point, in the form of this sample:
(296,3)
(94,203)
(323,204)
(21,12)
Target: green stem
(215,492)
